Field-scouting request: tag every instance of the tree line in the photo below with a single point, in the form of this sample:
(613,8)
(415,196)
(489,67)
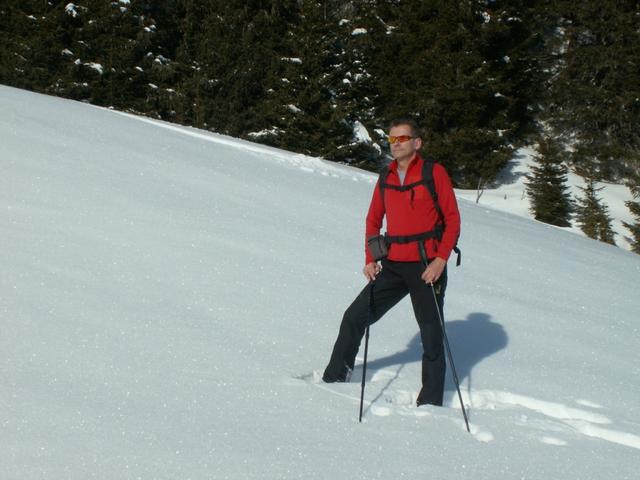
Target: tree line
(483,77)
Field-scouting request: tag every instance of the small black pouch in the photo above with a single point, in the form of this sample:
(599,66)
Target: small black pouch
(377,247)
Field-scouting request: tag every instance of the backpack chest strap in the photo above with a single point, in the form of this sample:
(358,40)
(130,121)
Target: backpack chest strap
(402,188)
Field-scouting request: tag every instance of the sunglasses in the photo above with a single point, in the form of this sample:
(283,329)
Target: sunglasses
(399,138)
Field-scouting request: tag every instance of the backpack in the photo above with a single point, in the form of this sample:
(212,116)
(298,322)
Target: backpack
(427,181)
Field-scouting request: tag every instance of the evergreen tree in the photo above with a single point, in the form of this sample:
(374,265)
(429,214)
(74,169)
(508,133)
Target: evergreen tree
(31,52)
(594,94)
(297,101)
(358,34)
(107,53)
(319,93)
(245,44)
(592,215)
(199,44)
(634,207)
(458,68)
(546,186)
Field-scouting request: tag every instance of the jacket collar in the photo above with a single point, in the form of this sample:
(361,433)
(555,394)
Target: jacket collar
(393,166)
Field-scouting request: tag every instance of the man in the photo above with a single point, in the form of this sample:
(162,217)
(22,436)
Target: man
(418,232)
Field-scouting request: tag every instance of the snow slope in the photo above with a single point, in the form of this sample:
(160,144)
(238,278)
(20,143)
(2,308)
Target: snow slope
(163,290)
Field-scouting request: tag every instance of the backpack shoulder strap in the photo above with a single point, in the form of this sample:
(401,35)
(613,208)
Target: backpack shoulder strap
(382,180)
(427,179)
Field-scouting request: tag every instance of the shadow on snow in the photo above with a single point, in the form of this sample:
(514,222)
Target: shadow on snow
(471,340)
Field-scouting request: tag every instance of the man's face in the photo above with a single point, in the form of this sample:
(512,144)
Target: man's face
(404,150)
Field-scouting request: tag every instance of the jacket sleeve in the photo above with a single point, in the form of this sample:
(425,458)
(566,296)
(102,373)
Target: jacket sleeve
(374,220)
(449,207)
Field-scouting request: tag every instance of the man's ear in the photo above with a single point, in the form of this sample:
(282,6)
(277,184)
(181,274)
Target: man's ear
(418,141)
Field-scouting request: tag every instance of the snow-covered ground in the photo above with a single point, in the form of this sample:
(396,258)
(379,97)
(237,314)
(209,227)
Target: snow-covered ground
(163,289)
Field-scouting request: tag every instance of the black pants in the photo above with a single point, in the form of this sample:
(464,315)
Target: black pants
(393,283)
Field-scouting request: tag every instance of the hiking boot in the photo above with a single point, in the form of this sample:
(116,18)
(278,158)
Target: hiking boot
(422,400)
(428,398)
(342,377)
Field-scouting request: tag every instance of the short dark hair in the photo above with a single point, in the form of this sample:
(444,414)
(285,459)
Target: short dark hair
(410,122)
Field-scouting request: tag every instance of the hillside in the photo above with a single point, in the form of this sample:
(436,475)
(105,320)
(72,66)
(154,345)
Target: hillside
(164,289)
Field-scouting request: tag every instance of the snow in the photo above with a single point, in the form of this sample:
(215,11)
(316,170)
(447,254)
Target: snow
(71,9)
(358,31)
(360,133)
(95,66)
(164,287)
(265,132)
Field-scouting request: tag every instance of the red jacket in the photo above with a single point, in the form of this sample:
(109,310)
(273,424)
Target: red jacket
(410,216)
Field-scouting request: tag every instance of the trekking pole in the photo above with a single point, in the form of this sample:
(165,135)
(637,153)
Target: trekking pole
(450,357)
(366,349)
(364,372)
